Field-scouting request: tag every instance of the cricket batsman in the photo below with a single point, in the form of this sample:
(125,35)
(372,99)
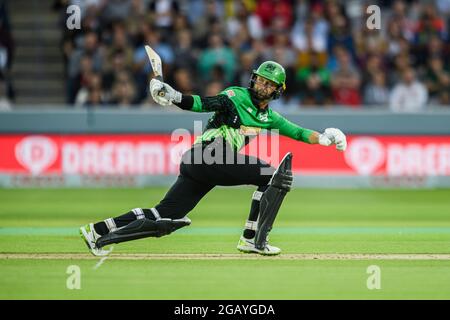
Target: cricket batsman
(213,160)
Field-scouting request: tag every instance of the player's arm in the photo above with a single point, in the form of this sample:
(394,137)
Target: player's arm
(329,137)
(187,102)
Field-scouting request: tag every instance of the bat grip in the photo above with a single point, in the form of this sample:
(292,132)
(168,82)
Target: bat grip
(161,93)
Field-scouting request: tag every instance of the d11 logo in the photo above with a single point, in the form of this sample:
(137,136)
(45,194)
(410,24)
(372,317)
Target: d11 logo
(36,153)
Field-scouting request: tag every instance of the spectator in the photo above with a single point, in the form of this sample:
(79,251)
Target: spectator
(217,54)
(310,35)
(5,104)
(92,86)
(218,74)
(370,41)
(434,48)
(286,103)
(89,47)
(373,65)
(120,43)
(116,10)
(258,49)
(180,23)
(185,55)
(281,51)
(409,95)
(244,19)
(118,65)
(401,63)
(346,82)
(194,9)
(136,16)
(376,92)
(183,81)
(443,7)
(214,88)
(394,37)
(6,53)
(222,40)
(73,40)
(203,27)
(310,39)
(123,92)
(437,80)
(332,61)
(430,24)
(340,35)
(94,99)
(302,9)
(314,83)
(163,13)
(241,41)
(271,10)
(81,79)
(399,16)
(244,71)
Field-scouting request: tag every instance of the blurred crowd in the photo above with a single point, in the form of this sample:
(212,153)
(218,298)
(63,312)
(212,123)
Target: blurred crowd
(7,93)
(330,55)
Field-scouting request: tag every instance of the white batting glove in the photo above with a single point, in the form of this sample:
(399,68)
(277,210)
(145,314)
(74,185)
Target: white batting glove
(163,94)
(333,136)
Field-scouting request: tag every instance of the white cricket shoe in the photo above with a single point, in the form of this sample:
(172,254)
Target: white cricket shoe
(89,236)
(248,246)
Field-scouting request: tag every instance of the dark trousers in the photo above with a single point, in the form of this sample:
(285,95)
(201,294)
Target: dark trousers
(205,166)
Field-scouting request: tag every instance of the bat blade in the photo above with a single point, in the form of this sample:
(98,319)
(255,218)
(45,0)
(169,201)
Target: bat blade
(155,61)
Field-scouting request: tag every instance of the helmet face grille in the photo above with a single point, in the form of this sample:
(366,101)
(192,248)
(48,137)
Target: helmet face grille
(276,94)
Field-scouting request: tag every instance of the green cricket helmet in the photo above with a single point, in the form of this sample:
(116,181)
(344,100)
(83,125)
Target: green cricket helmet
(272,71)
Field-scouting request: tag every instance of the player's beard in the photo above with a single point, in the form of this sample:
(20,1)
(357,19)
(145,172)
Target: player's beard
(259,98)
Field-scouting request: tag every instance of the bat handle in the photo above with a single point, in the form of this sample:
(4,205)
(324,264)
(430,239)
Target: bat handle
(161,93)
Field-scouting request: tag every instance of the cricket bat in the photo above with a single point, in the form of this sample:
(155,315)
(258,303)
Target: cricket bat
(155,61)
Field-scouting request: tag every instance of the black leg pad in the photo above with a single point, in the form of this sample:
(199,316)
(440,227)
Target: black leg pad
(271,200)
(142,228)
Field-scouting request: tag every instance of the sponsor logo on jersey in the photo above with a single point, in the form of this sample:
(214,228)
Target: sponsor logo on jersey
(230,93)
(249,131)
(263,117)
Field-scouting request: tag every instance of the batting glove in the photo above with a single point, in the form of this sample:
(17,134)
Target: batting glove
(333,136)
(163,94)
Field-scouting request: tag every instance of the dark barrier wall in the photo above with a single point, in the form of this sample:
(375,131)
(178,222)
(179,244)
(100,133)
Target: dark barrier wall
(164,121)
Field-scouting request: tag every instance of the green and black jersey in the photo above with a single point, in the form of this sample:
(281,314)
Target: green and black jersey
(236,119)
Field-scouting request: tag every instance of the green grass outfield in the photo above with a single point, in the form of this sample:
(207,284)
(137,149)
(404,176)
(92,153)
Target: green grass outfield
(329,239)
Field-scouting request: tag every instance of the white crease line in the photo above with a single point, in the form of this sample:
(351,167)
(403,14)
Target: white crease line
(242,256)
(103,259)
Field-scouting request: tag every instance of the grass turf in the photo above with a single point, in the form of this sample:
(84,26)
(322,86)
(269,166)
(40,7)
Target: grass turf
(311,221)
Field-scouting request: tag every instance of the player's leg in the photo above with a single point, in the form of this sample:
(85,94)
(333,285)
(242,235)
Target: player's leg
(247,240)
(261,218)
(168,216)
(252,220)
(94,231)
(178,201)
(242,170)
